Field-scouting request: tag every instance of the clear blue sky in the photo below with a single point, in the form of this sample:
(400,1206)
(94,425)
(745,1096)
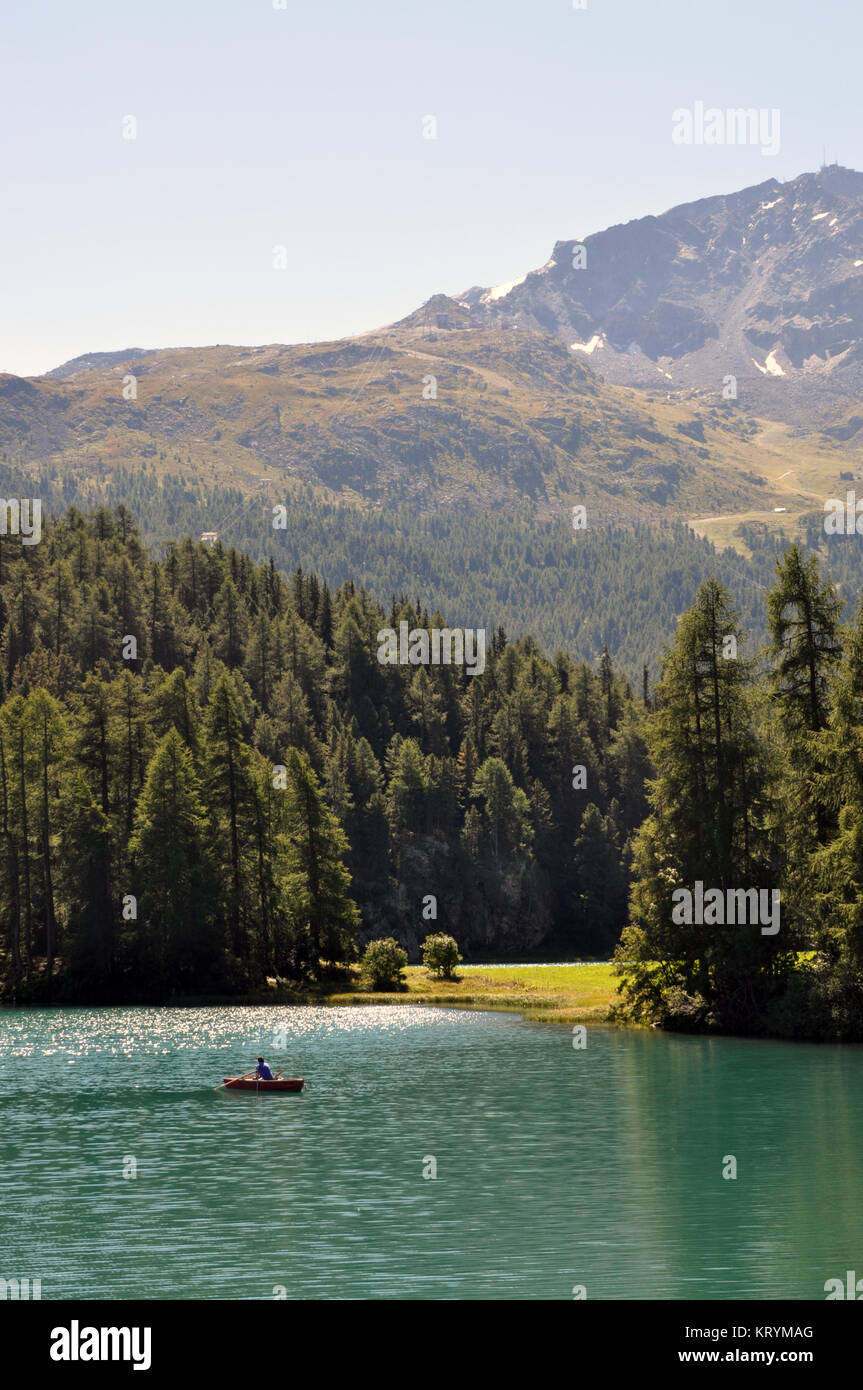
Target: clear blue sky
(303,127)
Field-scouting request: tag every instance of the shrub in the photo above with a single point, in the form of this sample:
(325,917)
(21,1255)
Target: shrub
(440,955)
(382,963)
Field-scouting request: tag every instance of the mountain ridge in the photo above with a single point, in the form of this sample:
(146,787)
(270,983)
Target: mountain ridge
(491,400)
(679,300)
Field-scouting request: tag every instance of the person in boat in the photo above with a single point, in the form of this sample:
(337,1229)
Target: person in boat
(262,1071)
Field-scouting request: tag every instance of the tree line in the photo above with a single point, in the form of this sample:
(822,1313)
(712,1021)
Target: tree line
(207,779)
(615,587)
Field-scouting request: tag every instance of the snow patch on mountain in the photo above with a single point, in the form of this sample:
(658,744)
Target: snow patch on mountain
(501,291)
(771,367)
(590,346)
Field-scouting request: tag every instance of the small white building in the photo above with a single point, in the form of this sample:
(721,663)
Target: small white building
(209,537)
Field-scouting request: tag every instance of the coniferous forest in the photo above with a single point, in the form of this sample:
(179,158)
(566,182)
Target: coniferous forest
(611,587)
(208,780)
(758,784)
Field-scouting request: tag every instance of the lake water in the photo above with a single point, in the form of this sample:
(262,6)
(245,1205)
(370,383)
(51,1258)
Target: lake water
(555,1167)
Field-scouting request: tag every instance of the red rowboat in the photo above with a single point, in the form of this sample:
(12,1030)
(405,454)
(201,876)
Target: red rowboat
(283,1083)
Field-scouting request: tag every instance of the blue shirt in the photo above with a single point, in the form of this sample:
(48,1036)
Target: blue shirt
(263,1072)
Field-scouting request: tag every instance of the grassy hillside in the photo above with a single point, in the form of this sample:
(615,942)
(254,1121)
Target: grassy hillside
(514,417)
(466,496)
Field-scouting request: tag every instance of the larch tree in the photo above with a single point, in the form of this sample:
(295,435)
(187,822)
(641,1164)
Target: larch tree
(710,823)
(178,890)
(317,881)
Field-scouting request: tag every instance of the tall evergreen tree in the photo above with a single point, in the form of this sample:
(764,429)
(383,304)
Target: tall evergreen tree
(317,881)
(709,823)
(232,800)
(175,934)
(803,614)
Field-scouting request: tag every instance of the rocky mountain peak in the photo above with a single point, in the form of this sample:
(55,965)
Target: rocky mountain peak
(765,284)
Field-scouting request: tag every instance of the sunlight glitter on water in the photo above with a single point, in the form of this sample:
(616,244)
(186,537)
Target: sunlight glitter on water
(553,1167)
(166,1031)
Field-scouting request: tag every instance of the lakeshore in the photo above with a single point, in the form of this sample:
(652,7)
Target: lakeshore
(582,992)
(564,993)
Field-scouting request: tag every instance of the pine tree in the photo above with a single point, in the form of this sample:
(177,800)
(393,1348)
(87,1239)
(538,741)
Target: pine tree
(178,932)
(709,822)
(49,737)
(828,872)
(85,876)
(600,905)
(407,809)
(504,806)
(175,707)
(10,884)
(231,799)
(317,882)
(803,613)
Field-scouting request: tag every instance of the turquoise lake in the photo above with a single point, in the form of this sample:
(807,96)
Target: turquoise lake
(555,1167)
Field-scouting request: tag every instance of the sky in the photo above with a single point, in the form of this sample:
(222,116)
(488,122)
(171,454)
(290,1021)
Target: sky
(305,127)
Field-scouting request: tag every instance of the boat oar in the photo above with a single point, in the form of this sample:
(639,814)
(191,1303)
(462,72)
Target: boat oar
(246,1077)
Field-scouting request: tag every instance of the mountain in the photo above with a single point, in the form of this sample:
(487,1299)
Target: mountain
(765,284)
(599,386)
(431,417)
